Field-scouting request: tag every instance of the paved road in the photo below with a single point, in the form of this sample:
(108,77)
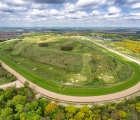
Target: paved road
(74,98)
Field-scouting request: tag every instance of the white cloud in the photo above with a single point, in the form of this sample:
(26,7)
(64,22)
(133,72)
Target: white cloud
(77,15)
(135,14)
(37,12)
(114,16)
(19,8)
(110,3)
(136,5)
(54,12)
(90,3)
(16,2)
(95,12)
(114,10)
(69,7)
(3,6)
(38,6)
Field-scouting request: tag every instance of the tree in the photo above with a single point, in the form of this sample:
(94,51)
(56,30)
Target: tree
(71,109)
(19,108)
(31,115)
(6,114)
(60,115)
(34,105)
(138,107)
(79,116)
(121,114)
(111,108)
(85,109)
(42,102)
(26,84)
(133,116)
(50,108)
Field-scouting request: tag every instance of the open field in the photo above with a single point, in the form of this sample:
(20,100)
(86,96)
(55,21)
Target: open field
(84,70)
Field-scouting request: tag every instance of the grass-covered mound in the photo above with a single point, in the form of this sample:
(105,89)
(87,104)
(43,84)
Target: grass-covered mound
(84,67)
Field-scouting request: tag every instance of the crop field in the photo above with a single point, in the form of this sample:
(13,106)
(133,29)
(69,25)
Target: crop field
(68,62)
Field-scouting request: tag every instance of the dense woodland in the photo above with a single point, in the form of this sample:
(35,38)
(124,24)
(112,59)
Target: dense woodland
(21,104)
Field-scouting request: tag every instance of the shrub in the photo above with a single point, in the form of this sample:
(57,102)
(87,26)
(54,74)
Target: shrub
(13,79)
(66,48)
(10,48)
(43,44)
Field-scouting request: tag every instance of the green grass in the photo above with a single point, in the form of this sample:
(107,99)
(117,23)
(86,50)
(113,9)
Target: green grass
(75,90)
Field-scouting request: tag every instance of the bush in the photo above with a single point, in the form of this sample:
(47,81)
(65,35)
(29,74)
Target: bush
(13,79)
(1,75)
(10,75)
(10,48)
(44,44)
(66,48)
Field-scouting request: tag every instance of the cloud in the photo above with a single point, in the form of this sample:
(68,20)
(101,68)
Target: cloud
(113,16)
(5,8)
(113,10)
(136,5)
(54,12)
(38,6)
(78,15)
(133,16)
(90,4)
(37,13)
(125,2)
(69,7)
(71,12)
(49,1)
(95,12)
(16,2)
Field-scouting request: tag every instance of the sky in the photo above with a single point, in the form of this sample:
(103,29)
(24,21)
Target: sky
(69,13)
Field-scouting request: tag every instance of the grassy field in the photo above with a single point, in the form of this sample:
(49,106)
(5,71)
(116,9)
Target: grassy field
(84,71)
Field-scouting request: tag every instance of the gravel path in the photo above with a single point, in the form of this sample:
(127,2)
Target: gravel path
(79,99)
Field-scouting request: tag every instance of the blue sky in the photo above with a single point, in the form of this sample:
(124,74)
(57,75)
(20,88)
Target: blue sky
(70,13)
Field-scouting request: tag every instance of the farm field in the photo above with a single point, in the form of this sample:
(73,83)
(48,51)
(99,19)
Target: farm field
(66,62)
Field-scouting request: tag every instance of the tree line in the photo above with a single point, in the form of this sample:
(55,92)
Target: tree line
(22,104)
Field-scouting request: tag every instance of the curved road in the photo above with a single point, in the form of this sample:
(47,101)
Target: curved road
(79,99)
